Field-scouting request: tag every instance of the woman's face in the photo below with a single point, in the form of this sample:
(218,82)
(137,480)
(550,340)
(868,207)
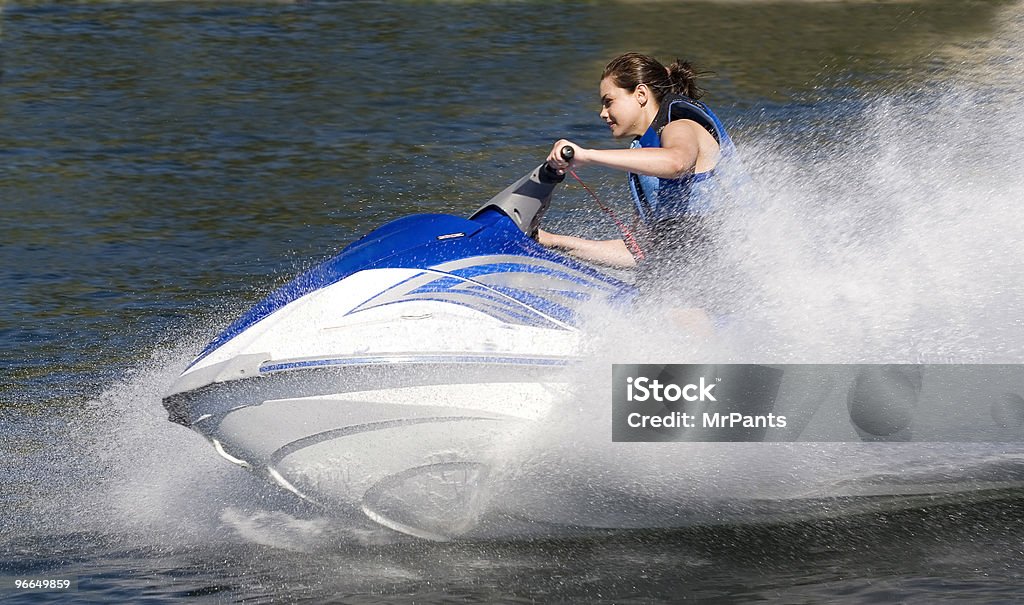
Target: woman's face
(622,110)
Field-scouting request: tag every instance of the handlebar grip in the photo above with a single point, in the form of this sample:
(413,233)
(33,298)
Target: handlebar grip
(548,174)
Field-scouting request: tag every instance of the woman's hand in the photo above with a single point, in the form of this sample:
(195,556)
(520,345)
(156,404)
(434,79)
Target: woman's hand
(557,162)
(612,252)
(547,239)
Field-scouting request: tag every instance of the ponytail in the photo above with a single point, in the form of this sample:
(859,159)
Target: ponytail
(683,78)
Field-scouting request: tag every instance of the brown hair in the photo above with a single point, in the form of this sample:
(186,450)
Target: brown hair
(633,69)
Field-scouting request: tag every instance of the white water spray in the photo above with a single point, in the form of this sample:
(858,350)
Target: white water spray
(900,242)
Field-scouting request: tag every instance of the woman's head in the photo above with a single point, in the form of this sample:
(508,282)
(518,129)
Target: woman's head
(629,85)
(633,69)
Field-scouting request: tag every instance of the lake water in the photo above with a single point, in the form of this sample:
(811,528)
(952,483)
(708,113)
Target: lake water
(165,164)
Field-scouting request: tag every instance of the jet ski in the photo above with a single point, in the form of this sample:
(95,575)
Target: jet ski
(409,351)
(395,382)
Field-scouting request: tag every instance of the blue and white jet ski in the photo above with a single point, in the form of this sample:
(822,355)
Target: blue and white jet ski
(391,381)
(408,352)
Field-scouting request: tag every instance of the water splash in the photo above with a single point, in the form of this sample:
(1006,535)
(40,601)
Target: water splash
(119,468)
(891,237)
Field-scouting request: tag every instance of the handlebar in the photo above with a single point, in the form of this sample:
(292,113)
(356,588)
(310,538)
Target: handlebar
(550,175)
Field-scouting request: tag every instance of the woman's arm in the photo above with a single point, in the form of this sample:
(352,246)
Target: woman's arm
(612,252)
(676,157)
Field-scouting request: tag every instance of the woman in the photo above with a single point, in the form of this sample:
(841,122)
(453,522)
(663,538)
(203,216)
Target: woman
(678,143)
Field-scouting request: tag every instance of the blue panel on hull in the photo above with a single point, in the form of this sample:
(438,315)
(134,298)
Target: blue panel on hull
(423,241)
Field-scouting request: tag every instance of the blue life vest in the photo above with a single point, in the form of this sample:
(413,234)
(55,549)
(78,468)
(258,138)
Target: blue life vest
(657,199)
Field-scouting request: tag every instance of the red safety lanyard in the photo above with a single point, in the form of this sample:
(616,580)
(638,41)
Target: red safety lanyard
(627,234)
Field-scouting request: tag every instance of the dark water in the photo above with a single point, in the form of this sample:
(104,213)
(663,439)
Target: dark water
(164,164)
